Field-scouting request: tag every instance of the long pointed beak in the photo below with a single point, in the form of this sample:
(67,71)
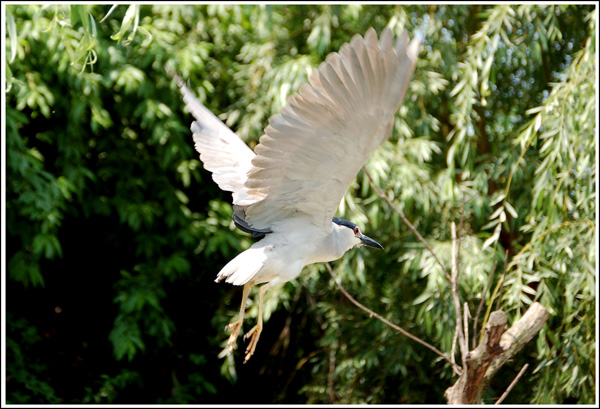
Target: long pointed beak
(367,241)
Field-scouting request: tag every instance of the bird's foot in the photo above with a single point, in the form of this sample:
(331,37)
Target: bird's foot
(236,326)
(254,335)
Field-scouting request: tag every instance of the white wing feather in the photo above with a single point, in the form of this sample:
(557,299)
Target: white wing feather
(312,150)
(222,151)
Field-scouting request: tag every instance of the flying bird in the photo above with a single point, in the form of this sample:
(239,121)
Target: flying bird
(287,190)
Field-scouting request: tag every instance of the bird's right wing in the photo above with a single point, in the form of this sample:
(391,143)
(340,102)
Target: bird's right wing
(312,150)
(222,152)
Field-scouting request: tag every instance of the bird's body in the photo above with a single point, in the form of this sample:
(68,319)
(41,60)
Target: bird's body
(288,189)
(281,255)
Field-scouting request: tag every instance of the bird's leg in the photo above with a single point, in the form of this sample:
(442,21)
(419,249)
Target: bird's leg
(254,333)
(236,325)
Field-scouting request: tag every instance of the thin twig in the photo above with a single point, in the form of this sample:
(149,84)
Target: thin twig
(457,262)
(405,220)
(466,315)
(487,287)
(394,326)
(460,227)
(512,384)
(456,300)
(453,352)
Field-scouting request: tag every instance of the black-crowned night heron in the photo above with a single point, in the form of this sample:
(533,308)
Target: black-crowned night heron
(289,188)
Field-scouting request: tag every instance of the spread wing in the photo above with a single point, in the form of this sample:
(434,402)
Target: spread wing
(222,151)
(313,149)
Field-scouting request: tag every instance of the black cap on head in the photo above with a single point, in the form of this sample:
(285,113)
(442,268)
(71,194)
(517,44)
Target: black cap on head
(343,222)
(367,241)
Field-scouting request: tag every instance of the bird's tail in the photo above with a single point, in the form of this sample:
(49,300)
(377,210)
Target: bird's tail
(244,267)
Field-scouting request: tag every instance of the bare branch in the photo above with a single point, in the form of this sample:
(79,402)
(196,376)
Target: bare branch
(381,194)
(456,300)
(467,388)
(466,315)
(394,326)
(453,351)
(460,227)
(512,384)
(518,335)
(496,348)
(487,287)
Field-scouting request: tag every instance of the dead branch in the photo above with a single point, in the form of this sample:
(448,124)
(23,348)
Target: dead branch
(518,336)
(453,352)
(466,316)
(477,361)
(462,344)
(460,229)
(496,347)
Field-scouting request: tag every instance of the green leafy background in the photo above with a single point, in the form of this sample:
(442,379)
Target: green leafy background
(115,232)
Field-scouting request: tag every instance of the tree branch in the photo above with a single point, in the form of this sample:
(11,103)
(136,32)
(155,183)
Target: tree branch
(460,228)
(466,316)
(394,326)
(464,350)
(512,384)
(467,389)
(381,194)
(518,335)
(496,347)
(453,351)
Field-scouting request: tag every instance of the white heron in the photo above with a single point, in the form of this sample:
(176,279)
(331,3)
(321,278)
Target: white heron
(288,190)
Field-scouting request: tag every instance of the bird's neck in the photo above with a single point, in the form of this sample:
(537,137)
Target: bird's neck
(336,243)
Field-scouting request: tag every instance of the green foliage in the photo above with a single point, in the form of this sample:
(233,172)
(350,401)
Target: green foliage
(115,232)
(27,369)
(110,386)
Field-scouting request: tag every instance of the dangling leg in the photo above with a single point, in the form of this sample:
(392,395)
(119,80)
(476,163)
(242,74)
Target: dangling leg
(255,332)
(237,324)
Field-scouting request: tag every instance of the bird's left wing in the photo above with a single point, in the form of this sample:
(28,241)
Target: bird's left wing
(222,152)
(312,150)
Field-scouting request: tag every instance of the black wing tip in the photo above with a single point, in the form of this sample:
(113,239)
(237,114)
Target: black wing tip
(245,227)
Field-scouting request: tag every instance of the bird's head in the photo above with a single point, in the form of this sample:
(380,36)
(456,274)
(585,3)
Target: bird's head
(353,236)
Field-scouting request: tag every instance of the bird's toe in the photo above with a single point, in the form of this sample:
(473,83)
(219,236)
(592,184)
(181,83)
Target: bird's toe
(254,335)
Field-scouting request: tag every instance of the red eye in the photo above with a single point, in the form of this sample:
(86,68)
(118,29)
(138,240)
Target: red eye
(356,231)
